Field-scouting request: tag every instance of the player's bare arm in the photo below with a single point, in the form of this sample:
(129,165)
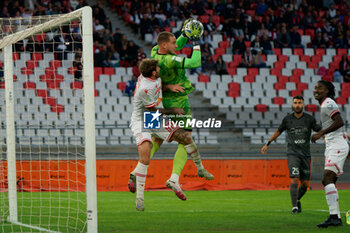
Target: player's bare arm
(337,123)
(174,87)
(275,135)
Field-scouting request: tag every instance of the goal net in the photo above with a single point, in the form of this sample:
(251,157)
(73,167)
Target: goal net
(47,131)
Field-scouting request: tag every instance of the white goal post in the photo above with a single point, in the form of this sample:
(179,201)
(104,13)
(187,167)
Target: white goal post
(51,170)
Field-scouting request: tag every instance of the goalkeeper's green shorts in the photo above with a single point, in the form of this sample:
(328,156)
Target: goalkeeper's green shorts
(179,102)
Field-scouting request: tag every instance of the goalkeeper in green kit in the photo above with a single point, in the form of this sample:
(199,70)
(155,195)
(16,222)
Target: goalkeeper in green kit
(176,87)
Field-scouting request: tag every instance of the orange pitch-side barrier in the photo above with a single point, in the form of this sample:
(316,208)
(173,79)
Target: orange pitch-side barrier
(113,175)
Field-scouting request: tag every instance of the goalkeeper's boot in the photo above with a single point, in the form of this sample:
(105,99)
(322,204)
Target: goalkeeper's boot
(132,183)
(299,206)
(176,188)
(204,173)
(331,221)
(140,204)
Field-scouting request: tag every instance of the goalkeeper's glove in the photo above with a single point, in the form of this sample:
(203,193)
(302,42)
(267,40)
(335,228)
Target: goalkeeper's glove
(183,27)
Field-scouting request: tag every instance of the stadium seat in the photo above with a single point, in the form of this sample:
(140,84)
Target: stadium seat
(312,108)
(29,85)
(296,92)
(108,70)
(298,72)
(302,86)
(294,78)
(77,85)
(341,100)
(201,78)
(249,78)
(37,56)
(278,100)
(261,108)
(121,86)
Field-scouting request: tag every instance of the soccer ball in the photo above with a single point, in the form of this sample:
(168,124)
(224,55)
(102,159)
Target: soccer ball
(194,29)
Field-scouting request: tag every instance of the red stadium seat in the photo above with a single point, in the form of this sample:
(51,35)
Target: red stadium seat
(341,52)
(249,78)
(224,44)
(121,86)
(345,86)
(278,65)
(333,66)
(282,58)
(40,37)
(55,64)
(233,93)
(15,56)
(282,78)
(298,72)
(248,43)
(53,84)
(203,78)
(50,71)
(301,32)
(279,86)
(231,71)
(2,85)
(305,58)
(337,58)
(312,65)
(294,79)
(37,56)
(328,78)
(27,71)
(187,51)
(71,70)
(209,12)
(214,57)
(341,100)
(216,20)
(109,70)
(302,86)
(345,93)
(57,108)
(320,52)
(298,51)
(234,86)
(173,24)
(76,85)
(220,51)
(250,12)
(276,51)
(261,108)
(253,71)
(97,72)
(310,32)
(42,93)
(312,108)
(49,100)
(296,92)
(275,71)
(278,100)
(203,18)
(96,93)
(31,64)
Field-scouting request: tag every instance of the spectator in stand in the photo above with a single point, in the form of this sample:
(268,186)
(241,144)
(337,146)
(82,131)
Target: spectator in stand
(206,51)
(346,76)
(60,45)
(98,12)
(237,28)
(108,24)
(132,53)
(107,36)
(343,64)
(332,10)
(186,11)
(247,61)
(130,86)
(220,66)
(283,38)
(261,8)
(295,38)
(98,26)
(295,19)
(258,60)
(239,46)
(81,4)
(256,46)
(135,20)
(309,20)
(211,26)
(227,28)
(208,65)
(262,31)
(318,41)
(326,40)
(347,39)
(117,35)
(253,26)
(205,38)
(140,55)
(266,45)
(338,37)
(145,25)
(327,28)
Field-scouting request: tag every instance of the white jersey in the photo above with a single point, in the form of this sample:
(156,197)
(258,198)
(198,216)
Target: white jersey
(328,109)
(148,93)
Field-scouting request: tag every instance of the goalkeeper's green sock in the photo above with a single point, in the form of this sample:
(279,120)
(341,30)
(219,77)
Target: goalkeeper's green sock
(179,162)
(154,149)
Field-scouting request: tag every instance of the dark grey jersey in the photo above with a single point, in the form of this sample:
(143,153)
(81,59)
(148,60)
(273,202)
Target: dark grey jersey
(299,133)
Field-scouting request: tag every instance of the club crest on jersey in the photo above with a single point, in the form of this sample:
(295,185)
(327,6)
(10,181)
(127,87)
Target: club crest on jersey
(152,120)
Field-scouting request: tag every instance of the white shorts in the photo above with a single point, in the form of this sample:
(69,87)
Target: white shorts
(335,157)
(142,135)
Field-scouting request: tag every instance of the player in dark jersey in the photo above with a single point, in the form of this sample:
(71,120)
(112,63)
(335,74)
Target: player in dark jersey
(298,126)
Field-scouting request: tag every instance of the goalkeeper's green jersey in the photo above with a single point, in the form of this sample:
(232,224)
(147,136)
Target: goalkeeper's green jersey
(172,72)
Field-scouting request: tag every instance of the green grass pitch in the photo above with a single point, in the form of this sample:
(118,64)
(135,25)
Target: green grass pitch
(204,211)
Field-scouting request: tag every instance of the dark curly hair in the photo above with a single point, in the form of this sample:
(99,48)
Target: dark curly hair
(330,87)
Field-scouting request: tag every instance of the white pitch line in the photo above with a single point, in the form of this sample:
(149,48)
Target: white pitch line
(34,227)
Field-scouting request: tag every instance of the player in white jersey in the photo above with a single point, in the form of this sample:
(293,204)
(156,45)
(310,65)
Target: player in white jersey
(148,97)
(336,151)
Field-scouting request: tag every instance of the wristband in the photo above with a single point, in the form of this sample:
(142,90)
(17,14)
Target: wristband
(268,143)
(197,47)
